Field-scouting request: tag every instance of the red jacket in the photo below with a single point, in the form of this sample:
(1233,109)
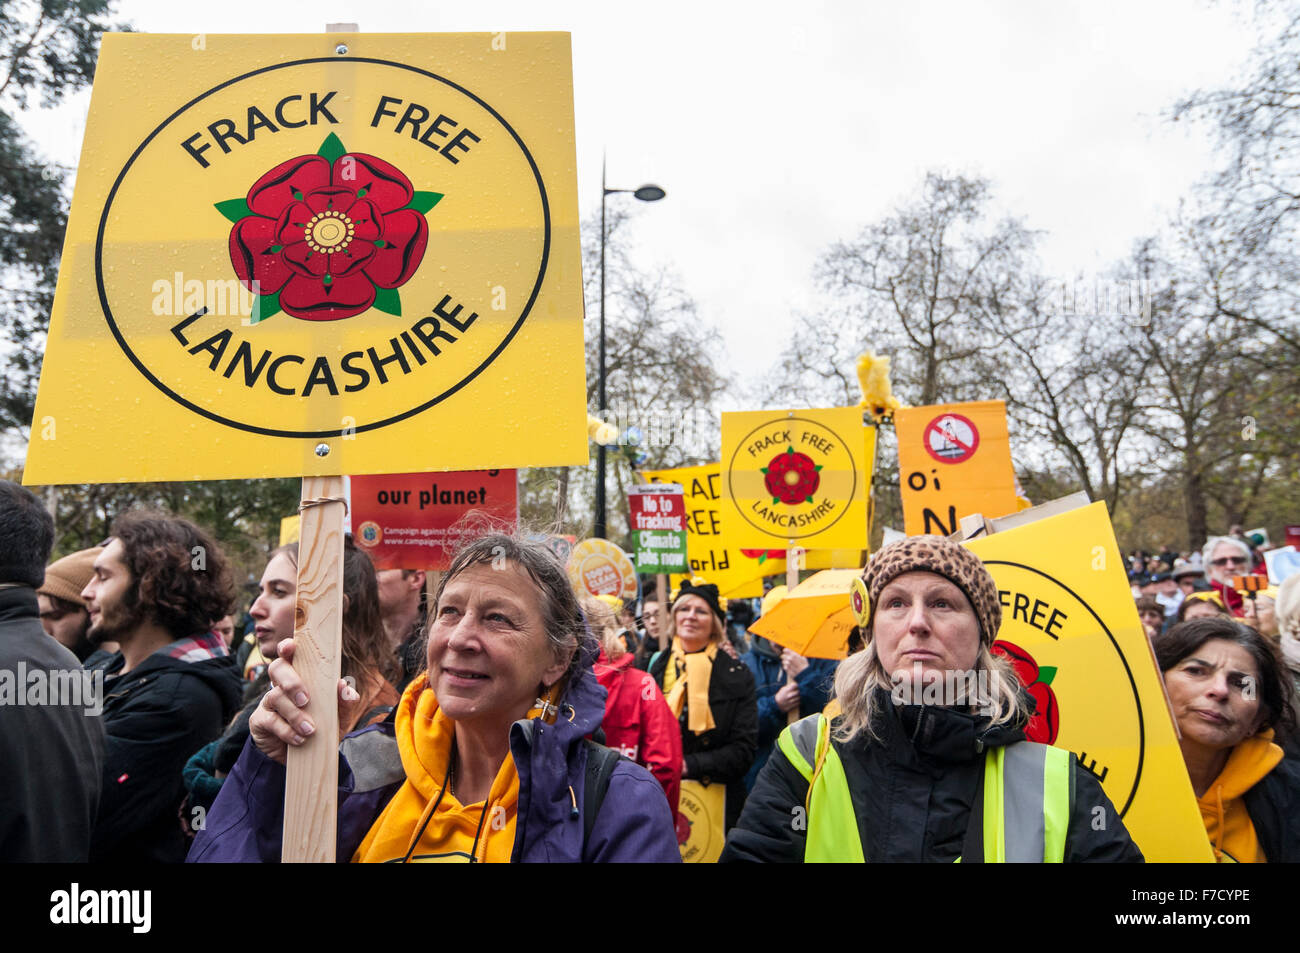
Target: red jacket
(639,724)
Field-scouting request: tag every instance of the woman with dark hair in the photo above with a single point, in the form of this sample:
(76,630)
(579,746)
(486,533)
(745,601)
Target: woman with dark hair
(273,618)
(1229,691)
(485,760)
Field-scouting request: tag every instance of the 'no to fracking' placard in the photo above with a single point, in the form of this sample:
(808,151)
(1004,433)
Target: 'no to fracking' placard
(309,255)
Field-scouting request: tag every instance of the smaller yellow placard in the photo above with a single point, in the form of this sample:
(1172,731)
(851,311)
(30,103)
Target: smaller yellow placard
(954,460)
(701,812)
(796,478)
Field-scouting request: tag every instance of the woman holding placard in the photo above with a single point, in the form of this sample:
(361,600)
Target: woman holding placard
(927,760)
(711,693)
(1230,691)
(485,760)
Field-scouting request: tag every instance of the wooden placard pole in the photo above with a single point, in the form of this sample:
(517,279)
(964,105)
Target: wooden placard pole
(661,590)
(793,557)
(312,769)
(311,789)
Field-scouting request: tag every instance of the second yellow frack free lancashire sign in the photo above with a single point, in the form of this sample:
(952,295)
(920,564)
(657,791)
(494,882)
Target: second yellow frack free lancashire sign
(796,478)
(299,255)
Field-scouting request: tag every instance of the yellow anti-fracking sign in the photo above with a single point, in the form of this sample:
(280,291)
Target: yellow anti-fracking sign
(301,255)
(796,478)
(1073,635)
(954,460)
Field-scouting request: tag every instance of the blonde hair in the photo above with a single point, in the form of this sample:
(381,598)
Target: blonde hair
(859,675)
(604,626)
(719,632)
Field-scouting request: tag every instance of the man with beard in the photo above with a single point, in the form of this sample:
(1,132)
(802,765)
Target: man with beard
(51,745)
(63,611)
(171,687)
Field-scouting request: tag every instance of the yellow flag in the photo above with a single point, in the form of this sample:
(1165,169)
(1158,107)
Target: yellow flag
(314,255)
(954,460)
(1070,627)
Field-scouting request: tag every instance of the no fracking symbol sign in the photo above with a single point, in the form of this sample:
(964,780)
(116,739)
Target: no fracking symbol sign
(951,438)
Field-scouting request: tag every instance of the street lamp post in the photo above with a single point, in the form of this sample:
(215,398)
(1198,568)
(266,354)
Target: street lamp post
(647,193)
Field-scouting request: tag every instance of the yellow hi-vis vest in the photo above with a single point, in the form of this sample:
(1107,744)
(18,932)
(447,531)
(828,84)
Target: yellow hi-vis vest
(1026,799)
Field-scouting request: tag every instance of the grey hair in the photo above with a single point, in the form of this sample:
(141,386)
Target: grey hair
(1214,542)
(566,625)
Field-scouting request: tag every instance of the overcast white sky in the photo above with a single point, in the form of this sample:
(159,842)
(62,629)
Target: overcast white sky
(777,130)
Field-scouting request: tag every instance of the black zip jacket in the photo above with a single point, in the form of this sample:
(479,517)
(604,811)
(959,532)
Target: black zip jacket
(724,753)
(156,716)
(913,794)
(1274,808)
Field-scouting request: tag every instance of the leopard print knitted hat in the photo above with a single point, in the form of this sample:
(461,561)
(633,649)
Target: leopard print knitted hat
(938,555)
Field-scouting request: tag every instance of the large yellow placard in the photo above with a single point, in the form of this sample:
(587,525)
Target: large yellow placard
(796,478)
(954,460)
(308,255)
(1069,623)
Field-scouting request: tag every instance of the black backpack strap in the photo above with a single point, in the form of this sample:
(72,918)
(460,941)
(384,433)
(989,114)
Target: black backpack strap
(601,762)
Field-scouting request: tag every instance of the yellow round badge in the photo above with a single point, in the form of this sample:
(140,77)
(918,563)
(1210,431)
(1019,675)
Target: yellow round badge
(600,568)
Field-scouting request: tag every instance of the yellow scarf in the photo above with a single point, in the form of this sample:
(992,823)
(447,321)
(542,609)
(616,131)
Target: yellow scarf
(1223,806)
(419,825)
(686,680)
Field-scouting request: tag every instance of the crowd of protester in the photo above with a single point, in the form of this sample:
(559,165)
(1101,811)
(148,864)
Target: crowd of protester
(494,714)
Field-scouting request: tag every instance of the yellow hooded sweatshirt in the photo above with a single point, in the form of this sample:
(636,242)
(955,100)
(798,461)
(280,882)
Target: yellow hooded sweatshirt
(424,822)
(1231,833)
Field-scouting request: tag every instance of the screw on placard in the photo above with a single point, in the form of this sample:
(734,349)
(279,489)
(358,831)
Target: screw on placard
(322,449)
(341,49)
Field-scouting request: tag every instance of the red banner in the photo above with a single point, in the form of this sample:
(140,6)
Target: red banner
(409,520)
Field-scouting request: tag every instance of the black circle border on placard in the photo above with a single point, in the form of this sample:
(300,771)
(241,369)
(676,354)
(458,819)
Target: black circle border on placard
(362,428)
(816,423)
(1137,699)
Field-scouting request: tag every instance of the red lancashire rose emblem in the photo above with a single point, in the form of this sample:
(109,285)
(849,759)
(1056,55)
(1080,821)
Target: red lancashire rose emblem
(328,236)
(791,477)
(1046,723)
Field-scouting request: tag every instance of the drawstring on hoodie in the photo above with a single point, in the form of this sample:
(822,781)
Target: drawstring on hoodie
(1218,835)
(573,814)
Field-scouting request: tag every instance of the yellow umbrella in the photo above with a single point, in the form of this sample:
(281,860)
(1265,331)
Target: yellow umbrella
(815,617)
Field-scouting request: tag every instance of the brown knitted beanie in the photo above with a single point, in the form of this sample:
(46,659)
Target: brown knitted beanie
(938,555)
(66,577)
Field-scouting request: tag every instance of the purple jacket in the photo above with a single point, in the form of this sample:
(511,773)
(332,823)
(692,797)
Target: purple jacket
(634,823)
